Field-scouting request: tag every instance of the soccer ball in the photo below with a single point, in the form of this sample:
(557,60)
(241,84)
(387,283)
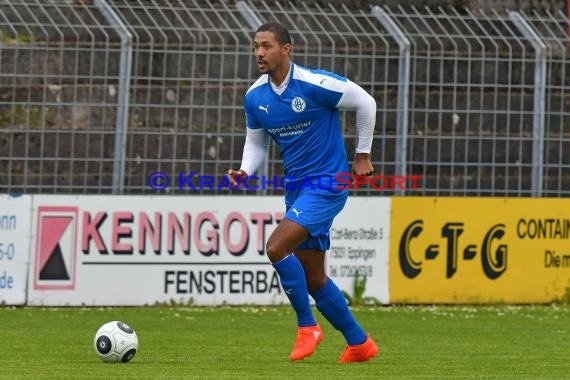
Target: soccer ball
(116,342)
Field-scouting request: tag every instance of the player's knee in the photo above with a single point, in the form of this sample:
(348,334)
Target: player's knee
(315,281)
(274,251)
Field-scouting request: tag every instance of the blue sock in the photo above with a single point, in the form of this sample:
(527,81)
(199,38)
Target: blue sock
(332,305)
(292,277)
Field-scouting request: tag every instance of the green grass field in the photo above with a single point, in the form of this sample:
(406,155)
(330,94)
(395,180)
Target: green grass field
(421,342)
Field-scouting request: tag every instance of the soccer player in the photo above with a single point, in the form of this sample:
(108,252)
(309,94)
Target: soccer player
(299,109)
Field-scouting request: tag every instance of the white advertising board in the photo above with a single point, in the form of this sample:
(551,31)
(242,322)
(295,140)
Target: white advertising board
(14,248)
(137,250)
(359,244)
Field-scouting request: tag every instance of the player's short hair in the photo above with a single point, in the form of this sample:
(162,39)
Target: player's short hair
(281,33)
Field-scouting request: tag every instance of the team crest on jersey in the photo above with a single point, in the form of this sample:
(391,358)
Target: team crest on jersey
(298,104)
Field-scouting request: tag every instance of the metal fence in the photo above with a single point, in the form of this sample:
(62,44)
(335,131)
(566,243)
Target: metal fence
(97,95)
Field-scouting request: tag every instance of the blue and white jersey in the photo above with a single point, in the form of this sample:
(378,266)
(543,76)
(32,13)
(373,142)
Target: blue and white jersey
(304,120)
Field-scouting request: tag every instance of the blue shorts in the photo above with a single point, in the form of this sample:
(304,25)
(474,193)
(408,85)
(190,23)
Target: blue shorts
(315,210)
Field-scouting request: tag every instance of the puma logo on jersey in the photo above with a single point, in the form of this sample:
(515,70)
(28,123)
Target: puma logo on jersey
(266,108)
(297,212)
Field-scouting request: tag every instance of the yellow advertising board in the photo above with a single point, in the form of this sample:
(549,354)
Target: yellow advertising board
(478,250)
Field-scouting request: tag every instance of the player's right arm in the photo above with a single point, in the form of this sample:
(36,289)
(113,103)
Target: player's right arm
(255,147)
(254,151)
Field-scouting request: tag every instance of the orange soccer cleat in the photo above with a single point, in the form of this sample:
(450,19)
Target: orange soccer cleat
(360,352)
(306,342)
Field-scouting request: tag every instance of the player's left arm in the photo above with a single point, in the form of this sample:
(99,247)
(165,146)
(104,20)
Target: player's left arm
(357,99)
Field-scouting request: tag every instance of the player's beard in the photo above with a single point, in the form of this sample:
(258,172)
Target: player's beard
(266,69)
(269,68)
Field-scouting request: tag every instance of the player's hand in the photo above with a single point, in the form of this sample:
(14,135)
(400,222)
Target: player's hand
(233,177)
(362,165)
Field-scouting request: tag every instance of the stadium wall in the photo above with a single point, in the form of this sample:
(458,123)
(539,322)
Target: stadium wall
(94,99)
(96,250)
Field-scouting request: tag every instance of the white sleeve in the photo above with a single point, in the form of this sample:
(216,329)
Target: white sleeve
(356,99)
(254,149)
